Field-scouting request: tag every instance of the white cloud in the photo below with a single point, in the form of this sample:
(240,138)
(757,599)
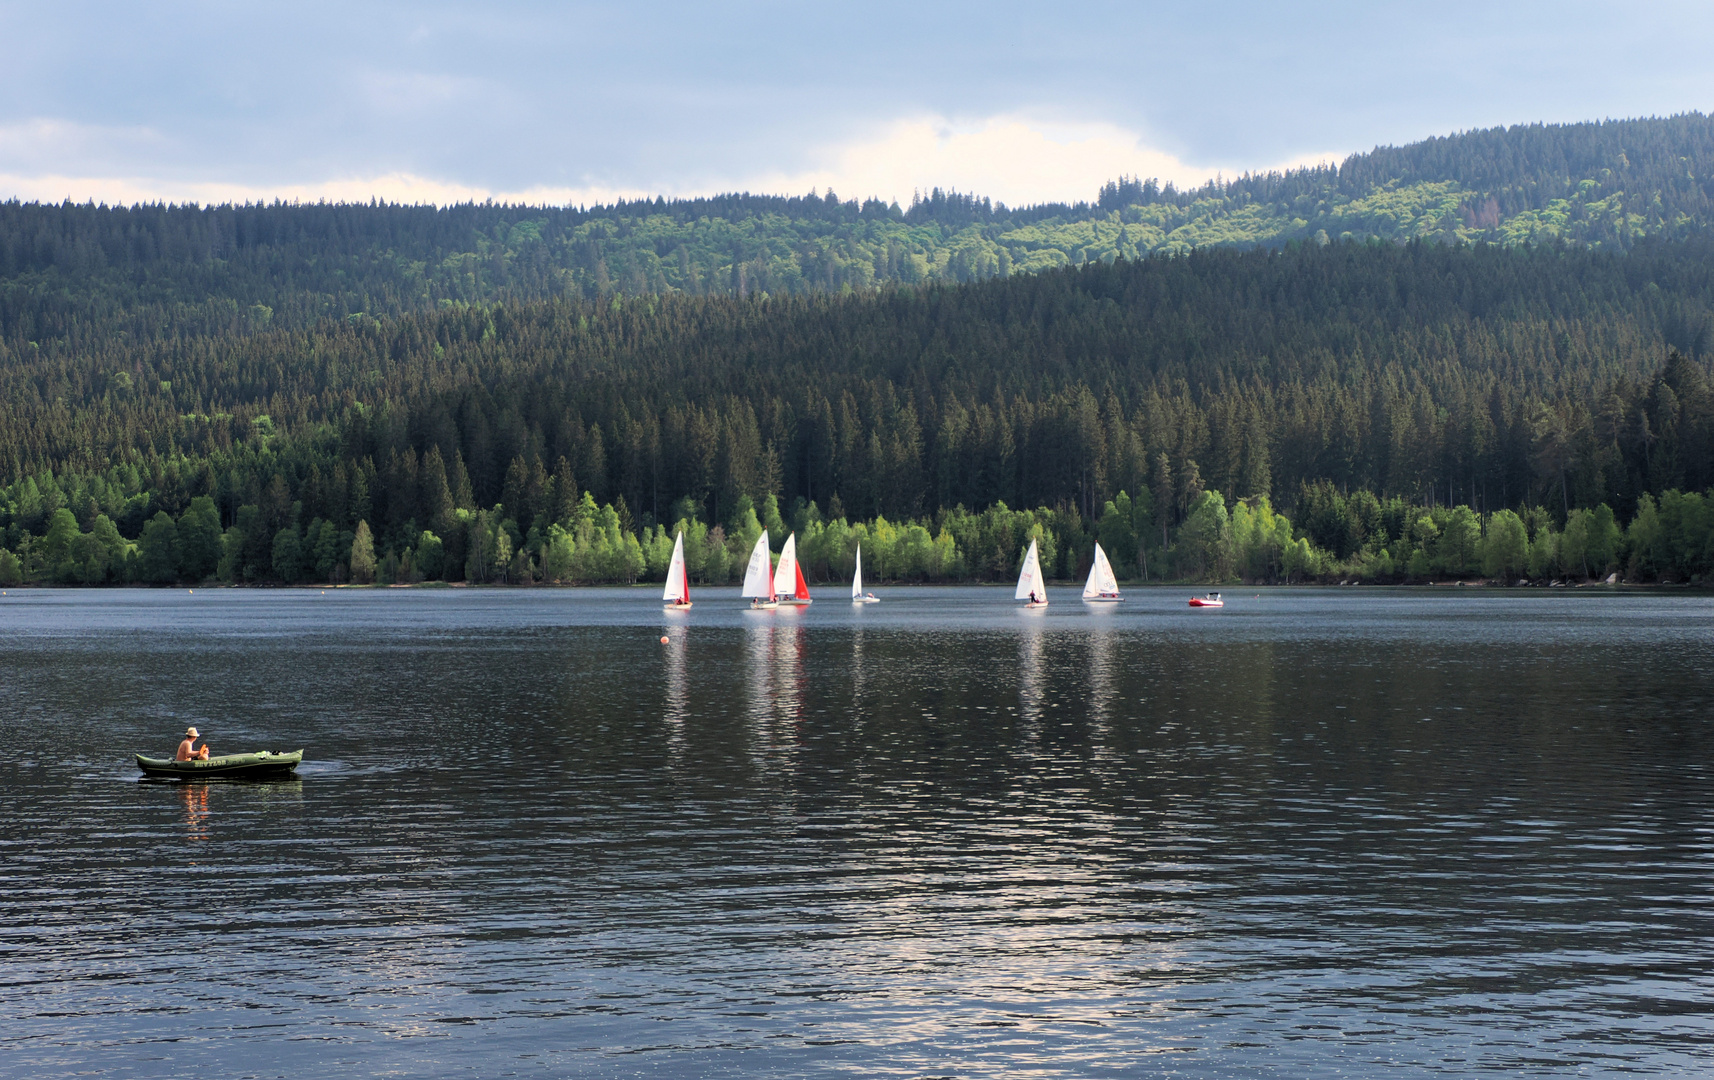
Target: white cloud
(1011,159)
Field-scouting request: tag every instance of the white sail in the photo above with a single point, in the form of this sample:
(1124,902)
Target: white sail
(758,582)
(677,591)
(1101,580)
(857,578)
(785,574)
(1029,578)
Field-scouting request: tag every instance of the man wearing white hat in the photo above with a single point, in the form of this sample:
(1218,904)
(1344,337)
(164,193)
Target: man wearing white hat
(188,750)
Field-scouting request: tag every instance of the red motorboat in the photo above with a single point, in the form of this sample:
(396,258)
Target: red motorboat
(1210,600)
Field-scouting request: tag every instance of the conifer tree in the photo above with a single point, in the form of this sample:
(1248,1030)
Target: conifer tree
(463,498)
(434,498)
(565,493)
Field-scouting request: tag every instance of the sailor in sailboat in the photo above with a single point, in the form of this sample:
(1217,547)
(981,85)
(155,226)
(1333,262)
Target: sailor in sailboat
(1102,587)
(858,596)
(789,585)
(758,576)
(1030,585)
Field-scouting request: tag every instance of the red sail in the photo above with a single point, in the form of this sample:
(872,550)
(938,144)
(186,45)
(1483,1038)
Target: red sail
(802,585)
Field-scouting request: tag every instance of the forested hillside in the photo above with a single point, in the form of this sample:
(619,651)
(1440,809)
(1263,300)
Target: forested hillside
(148,271)
(1412,410)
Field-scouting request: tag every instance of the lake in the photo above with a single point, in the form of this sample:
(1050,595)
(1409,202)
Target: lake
(1319,832)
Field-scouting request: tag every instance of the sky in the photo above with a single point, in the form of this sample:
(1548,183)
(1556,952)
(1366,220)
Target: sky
(576,103)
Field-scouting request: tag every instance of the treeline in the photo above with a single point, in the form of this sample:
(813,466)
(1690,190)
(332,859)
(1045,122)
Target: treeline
(572,541)
(70,274)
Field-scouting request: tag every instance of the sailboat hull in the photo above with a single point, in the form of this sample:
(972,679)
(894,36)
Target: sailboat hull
(1103,599)
(794,601)
(1035,604)
(865,599)
(677,605)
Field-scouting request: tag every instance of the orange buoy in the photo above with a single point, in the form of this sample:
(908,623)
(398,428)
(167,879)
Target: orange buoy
(663,640)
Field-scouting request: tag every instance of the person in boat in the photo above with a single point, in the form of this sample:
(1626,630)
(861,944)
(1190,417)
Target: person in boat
(188,750)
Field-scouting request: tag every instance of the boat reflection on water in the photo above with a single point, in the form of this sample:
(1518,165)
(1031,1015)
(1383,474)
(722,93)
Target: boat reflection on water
(1103,679)
(677,694)
(759,673)
(775,685)
(1031,642)
(196,810)
(859,674)
(275,798)
(788,670)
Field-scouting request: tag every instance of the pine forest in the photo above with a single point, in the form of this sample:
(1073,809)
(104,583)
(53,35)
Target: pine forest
(1481,356)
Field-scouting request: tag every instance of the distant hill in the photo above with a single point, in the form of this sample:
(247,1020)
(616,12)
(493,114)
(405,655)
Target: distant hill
(151,270)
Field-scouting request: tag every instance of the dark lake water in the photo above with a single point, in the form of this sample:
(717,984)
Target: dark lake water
(1317,833)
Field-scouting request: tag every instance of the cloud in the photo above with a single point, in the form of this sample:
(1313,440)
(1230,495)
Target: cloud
(46,142)
(390,93)
(1012,159)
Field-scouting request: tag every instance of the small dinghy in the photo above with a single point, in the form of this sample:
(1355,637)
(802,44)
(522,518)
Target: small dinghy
(789,585)
(858,596)
(1029,581)
(245,766)
(1102,587)
(759,578)
(1210,600)
(677,594)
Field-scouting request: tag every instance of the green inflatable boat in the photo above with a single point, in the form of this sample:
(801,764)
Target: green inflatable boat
(263,763)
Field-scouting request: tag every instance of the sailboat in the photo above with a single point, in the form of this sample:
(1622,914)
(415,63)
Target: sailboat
(858,596)
(789,585)
(1030,585)
(758,577)
(1102,587)
(677,593)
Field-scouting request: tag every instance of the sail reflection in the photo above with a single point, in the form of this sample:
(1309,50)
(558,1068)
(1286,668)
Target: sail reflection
(1030,691)
(759,671)
(859,673)
(774,651)
(1101,676)
(788,671)
(677,694)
